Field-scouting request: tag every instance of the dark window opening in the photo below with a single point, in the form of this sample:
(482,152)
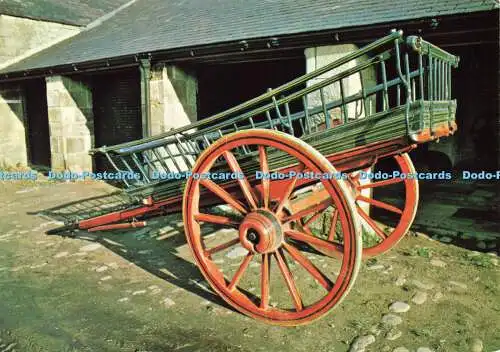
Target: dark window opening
(38,124)
(222,86)
(117,110)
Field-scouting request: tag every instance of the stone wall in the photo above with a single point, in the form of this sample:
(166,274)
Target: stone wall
(22,37)
(71,123)
(173,98)
(13,150)
(318,57)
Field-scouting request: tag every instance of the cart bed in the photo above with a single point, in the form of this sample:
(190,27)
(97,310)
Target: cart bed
(412,106)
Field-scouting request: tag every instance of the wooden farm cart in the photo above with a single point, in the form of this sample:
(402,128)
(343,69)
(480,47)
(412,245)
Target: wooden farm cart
(297,233)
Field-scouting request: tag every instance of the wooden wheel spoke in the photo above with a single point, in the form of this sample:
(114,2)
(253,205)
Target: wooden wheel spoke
(333,226)
(379,204)
(304,212)
(222,246)
(243,182)
(309,266)
(216,219)
(312,218)
(264,281)
(312,240)
(289,190)
(372,223)
(239,273)
(266,185)
(381,183)
(225,196)
(307,230)
(355,177)
(287,275)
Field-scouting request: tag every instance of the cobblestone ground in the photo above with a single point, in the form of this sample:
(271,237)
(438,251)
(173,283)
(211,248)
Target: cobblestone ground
(466,214)
(139,290)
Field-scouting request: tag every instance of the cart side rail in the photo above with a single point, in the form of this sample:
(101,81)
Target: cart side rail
(237,110)
(305,106)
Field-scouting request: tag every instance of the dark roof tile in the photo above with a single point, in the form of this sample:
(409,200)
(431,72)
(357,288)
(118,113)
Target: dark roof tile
(74,12)
(150,25)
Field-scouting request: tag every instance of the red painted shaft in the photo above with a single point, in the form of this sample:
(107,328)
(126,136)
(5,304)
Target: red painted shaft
(123,225)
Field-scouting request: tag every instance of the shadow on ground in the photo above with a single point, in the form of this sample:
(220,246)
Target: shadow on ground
(155,248)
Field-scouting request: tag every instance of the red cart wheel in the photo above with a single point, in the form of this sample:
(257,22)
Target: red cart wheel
(258,260)
(400,211)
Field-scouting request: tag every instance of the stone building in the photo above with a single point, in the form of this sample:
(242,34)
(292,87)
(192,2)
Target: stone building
(26,28)
(107,72)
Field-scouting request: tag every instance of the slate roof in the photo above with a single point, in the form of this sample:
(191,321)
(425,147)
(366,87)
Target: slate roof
(73,12)
(151,25)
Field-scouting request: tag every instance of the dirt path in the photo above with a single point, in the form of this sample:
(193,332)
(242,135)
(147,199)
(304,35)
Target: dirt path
(140,291)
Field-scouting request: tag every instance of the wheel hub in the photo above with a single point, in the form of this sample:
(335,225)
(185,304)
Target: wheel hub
(261,232)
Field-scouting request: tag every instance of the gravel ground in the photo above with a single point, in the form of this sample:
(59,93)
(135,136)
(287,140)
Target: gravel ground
(139,290)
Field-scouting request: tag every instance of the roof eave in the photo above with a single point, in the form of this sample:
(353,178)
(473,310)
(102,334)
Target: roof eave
(354,34)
